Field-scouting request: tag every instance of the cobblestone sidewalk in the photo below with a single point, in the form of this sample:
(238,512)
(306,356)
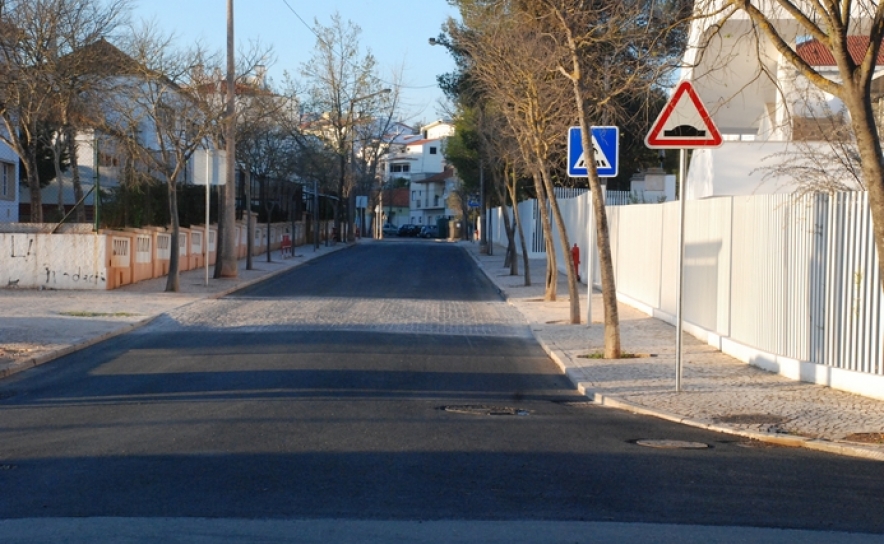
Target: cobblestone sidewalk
(718,392)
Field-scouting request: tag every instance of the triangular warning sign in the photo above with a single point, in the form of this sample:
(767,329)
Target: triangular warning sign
(684,123)
(601,160)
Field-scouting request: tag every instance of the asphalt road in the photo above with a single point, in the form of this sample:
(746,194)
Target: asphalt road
(378,394)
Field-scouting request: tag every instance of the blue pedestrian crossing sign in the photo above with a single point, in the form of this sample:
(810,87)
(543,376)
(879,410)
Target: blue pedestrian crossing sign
(606,147)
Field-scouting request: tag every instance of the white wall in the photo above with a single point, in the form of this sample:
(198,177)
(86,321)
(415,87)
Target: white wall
(788,284)
(53,261)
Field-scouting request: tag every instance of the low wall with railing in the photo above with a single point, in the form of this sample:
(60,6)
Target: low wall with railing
(34,258)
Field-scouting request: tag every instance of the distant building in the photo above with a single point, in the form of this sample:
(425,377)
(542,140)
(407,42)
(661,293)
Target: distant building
(419,159)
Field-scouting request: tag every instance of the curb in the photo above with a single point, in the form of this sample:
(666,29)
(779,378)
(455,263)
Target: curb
(562,360)
(839,448)
(12,369)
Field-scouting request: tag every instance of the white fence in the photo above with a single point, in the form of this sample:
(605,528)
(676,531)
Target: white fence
(789,284)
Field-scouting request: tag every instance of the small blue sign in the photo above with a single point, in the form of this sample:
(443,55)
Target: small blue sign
(606,143)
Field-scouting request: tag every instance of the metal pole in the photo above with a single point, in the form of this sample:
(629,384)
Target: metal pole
(483,240)
(206,235)
(250,234)
(682,170)
(590,245)
(96,198)
(380,214)
(315,215)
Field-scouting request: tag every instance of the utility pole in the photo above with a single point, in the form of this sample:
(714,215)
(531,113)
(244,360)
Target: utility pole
(228,261)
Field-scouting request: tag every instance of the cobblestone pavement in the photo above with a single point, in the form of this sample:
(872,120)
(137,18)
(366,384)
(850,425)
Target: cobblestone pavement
(718,391)
(255,314)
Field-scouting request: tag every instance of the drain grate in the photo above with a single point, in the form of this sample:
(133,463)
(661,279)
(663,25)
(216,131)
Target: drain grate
(672,444)
(485,410)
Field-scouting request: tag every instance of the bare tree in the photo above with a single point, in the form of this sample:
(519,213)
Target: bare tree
(34,36)
(609,50)
(161,115)
(515,66)
(343,83)
(851,32)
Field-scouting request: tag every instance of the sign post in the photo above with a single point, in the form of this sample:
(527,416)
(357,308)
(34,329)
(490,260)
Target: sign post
(209,169)
(683,124)
(606,150)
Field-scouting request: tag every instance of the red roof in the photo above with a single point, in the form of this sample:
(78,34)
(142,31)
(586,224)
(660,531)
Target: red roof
(400,197)
(441,176)
(420,142)
(816,54)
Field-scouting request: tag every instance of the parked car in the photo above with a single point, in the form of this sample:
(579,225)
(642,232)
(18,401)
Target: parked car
(390,229)
(429,231)
(409,230)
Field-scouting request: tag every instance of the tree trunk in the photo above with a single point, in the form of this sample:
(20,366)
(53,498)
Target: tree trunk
(34,185)
(518,221)
(71,141)
(172,281)
(603,240)
(573,293)
(57,148)
(510,260)
(551,284)
(869,145)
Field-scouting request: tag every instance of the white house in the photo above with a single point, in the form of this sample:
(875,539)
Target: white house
(759,103)
(419,158)
(9,187)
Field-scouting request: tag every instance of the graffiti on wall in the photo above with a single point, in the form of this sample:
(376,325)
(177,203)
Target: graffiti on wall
(76,277)
(23,248)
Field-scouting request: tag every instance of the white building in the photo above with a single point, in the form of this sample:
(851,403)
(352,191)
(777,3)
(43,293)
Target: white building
(419,158)
(758,101)
(9,187)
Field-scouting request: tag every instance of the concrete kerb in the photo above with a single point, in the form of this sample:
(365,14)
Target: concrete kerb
(564,363)
(20,366)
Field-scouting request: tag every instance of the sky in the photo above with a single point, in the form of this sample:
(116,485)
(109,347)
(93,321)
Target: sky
(396,32)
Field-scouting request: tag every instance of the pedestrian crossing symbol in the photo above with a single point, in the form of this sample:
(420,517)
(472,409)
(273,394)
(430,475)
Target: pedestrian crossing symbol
(605,144)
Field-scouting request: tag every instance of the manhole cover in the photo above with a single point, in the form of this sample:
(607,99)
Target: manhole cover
(485,410)
(672,444)
(752,419)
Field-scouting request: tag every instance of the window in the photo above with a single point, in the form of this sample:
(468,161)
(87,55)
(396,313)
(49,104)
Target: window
(432,151)
(7,181)
(400,168)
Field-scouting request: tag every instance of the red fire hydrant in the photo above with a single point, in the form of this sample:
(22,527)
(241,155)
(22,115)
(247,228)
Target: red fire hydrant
(575,254)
